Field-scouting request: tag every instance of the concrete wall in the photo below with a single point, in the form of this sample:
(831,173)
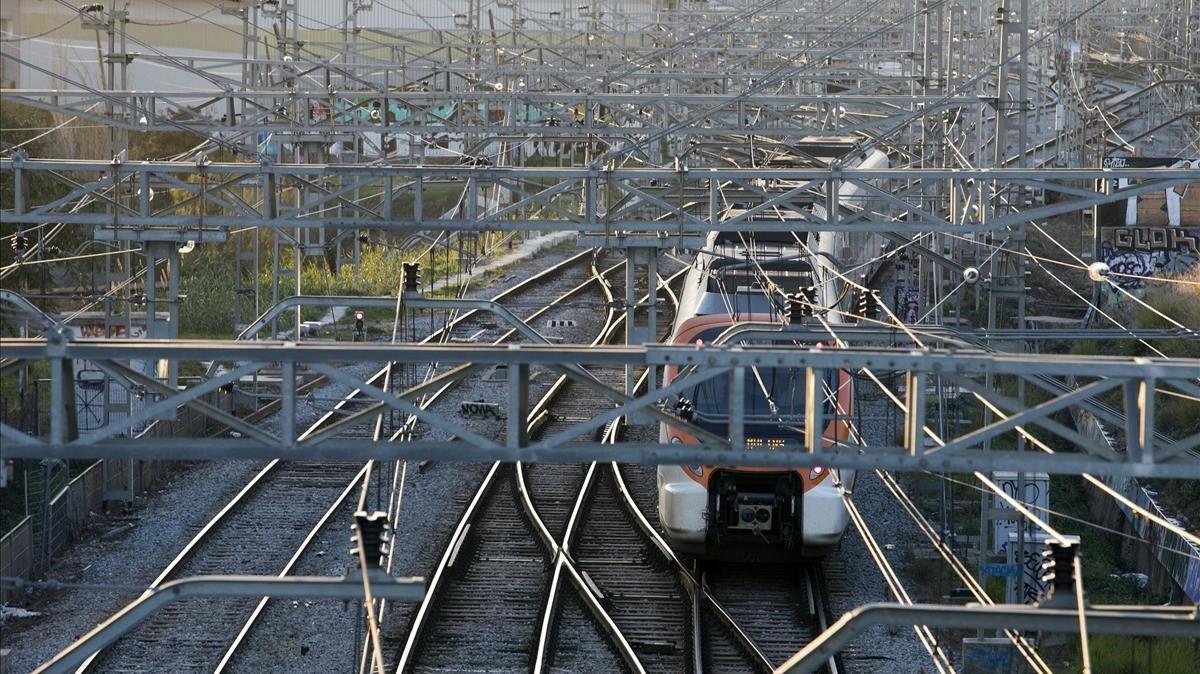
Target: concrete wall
(1160,556)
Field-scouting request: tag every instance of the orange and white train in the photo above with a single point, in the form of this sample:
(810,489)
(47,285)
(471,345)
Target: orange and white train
(742,512)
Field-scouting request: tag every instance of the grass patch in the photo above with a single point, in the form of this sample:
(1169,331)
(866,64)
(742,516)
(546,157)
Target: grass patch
(206,278)
(1117,654)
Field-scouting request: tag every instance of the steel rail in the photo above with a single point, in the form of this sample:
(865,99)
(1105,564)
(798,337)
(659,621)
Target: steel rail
(227,586)
(362,479)
(821,611)
(473,511)
(507,335)
(956,565)
(445,330)
(691,581)
(358,479)
(561,552)
(564,559)
(260,478)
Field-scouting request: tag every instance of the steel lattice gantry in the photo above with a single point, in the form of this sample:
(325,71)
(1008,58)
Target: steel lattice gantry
(1133,380)
(655,204)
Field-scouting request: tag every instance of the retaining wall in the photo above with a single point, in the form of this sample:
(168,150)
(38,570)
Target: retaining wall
(1165,555)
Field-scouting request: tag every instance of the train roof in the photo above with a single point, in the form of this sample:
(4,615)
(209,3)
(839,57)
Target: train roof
(791,264)
(761,238)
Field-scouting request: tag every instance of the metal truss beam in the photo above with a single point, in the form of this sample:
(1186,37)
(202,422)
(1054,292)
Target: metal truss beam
(656,202)
(292,114)
(1130,620)
(1124,376)
(349,587)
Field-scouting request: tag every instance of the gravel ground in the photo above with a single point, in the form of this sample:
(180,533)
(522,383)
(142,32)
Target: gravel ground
(853,579)
(323,636)
(178,508)
(169,518)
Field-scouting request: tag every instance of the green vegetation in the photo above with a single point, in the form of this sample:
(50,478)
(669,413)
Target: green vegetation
(1164,306)
(1101,550)
(206,278)
(1114,654)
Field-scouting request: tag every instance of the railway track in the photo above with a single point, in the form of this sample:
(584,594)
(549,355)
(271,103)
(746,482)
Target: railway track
(255,531)
(738,621)
(779,606)
(644,608)
(634,602)
(492,553)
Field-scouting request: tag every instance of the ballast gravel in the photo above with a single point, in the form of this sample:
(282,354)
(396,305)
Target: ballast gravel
(170,516)
(178,507)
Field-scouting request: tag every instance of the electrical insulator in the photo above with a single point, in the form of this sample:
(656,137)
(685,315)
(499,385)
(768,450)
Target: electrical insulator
(795,308)
(800,304)
(20,244)
(372,532)
(364,238)
(809,293)
(866,304)
(412,276)
(685,409)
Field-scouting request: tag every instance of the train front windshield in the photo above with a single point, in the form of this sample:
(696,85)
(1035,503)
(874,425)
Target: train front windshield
(774,398)
(772,395)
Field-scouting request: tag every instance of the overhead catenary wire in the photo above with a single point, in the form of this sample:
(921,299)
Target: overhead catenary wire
(983,479)
(1071,518)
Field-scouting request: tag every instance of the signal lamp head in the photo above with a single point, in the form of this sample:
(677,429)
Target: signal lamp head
(412,276)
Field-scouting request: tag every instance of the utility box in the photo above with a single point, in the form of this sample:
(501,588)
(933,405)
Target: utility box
(995,655)
(1026,585)
(1036,495)
(1028,566)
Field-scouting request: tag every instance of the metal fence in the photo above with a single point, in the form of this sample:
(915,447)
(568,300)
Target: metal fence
(16,554)
(1179,558)
(70,509)
(30,548)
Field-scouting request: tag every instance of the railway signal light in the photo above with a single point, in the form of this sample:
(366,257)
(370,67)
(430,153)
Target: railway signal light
(371,532)
(1058,571)
(358,326)
(412,276)
(866,304)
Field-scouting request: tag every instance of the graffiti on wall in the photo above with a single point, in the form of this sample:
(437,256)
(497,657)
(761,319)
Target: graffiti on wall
(907,304)
(1148,251)
(1152,234)
(1036,496)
